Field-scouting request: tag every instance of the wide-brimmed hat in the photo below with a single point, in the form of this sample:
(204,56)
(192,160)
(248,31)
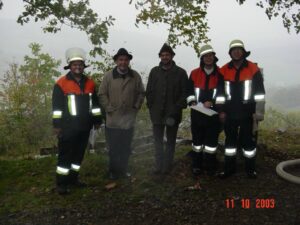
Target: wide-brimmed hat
(122,51)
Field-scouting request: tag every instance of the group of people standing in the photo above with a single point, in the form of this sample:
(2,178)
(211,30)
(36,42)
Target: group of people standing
(231,91)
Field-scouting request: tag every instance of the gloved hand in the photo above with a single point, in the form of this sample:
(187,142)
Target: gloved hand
(258,117)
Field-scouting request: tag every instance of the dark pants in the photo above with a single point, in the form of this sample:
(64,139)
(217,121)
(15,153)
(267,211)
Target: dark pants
(71,149)
(205,133)
(239,134)
(164,158)
(119,142)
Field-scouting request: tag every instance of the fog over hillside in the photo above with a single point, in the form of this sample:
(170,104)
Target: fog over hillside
(284,97)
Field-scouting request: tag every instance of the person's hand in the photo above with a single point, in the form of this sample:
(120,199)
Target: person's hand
(57,131)
(222,116)
(207,104)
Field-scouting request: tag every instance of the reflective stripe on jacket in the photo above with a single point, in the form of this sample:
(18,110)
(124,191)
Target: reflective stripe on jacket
(243,87)
(75,104)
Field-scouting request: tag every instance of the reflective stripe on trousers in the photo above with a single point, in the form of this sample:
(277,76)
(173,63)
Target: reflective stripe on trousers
(249,153)
(197,148)
(230,151)
(62,170)
(75,167)
(210,150)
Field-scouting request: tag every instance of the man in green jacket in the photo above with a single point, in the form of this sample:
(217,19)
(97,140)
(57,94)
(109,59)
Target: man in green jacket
(166,97)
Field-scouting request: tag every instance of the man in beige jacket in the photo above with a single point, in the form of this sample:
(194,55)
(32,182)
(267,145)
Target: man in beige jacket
(121,95)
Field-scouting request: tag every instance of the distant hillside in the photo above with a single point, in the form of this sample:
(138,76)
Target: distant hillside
(284,97)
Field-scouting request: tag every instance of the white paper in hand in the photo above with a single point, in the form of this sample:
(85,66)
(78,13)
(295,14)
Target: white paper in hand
(200,108)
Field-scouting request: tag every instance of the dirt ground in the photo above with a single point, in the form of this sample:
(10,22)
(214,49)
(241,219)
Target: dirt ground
(177,199)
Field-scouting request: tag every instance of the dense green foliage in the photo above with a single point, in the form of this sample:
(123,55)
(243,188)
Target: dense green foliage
(185,17)
(25,108)
(76,14)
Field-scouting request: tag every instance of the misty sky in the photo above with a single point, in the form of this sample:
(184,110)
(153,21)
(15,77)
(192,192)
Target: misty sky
(271,46)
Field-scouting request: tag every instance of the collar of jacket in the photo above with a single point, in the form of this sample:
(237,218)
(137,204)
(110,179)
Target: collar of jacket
(214,72)
(116,74)
(172,66)
(244,64)
(71,77)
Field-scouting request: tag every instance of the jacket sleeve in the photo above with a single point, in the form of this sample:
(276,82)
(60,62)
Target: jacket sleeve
(140,92)
(57,106)
(190,91)
(258,87)
(149,90)
(103,93)
(96,110)
(181,102)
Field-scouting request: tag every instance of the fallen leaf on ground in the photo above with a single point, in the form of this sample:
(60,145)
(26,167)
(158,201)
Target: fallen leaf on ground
(194,187)
(110,186)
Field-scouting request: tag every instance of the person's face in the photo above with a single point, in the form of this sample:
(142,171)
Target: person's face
(77,67)
(237,53)
(166,58)
(122,62)
(209,59)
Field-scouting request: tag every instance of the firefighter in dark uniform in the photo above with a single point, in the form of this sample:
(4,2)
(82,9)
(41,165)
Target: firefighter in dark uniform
(75,111)
(202,89)
(243,87)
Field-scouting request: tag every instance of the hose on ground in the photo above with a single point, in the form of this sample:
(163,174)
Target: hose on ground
(285,175)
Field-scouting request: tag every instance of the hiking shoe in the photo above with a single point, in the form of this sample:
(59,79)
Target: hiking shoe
(196,171)
(62,190)
(224,175)
(79,184)
(252,175)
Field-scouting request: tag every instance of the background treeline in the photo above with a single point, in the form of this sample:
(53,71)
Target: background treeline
(25,105)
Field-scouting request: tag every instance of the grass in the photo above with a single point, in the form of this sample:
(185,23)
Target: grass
(28,185)
(286,142)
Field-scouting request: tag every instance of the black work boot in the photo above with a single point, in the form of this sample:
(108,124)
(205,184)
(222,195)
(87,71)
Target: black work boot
(61,184)
(158,164)
(197,159)
(229,167)
(73,180)
(62,190)
(210,163)
(250,168)
(113,175)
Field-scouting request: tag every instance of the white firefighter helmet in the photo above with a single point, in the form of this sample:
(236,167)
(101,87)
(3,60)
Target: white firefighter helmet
(205,49)
(74,54)
(236,43)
